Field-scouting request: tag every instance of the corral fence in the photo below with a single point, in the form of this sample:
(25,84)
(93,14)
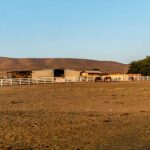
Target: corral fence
(133,78)
(43,80)
(49,80)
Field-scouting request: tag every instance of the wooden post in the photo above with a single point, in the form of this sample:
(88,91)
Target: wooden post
(52,78)
(20,81)
(1,82)
(87,79)
(29,82)
(11,82)
(93,79)
(37,81)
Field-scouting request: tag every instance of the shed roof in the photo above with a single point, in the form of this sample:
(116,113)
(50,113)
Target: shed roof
(93,71)
(20,71)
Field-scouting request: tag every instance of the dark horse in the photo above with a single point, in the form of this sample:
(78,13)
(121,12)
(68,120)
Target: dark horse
(107,79)
(131,78)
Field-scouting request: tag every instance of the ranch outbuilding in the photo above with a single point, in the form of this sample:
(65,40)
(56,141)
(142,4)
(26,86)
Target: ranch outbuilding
(19,74)
(91,73)
(56,73)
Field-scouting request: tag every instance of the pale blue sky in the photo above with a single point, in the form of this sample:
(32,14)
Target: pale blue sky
(116,30)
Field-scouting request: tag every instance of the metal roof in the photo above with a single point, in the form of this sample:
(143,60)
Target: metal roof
(93,71)
(19,71)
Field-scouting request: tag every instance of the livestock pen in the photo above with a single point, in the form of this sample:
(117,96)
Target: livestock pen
(50,80)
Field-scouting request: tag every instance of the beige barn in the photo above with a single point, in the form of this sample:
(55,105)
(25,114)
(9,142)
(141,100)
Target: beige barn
(71,73)
(57,73)
(42,73)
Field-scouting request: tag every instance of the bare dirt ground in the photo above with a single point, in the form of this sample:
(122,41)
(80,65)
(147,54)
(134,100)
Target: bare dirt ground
(91,116)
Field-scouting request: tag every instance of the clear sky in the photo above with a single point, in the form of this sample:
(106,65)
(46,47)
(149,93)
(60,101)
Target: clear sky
(116,30)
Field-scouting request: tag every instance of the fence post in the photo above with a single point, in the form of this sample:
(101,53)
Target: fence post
(37,81)
(93,79)
(11,82)
(20,81)
(1,82)
(29,82)
(44,80)
(87,79)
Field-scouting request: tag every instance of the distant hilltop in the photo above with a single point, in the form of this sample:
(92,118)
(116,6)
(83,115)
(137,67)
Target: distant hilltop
(11,64)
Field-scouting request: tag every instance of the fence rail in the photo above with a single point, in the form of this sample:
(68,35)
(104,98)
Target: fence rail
(50,80)
(42,80)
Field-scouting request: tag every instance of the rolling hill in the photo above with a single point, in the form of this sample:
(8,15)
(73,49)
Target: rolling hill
(11,64)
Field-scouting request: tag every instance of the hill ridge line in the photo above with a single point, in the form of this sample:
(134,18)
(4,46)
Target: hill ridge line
(10,64)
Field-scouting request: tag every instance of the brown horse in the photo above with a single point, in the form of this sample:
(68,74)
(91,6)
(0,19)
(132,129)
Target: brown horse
(131,78)
(107,79)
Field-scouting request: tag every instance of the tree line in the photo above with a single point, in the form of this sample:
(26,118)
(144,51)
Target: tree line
(140,66)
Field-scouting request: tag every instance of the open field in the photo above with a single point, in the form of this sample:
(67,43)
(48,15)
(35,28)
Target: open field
(79,116)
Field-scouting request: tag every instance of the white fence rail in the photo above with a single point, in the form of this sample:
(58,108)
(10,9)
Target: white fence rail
(43,80)
(133,78)
(49,80)
(145,78)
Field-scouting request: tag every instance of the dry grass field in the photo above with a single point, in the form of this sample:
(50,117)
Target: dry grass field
(87,116)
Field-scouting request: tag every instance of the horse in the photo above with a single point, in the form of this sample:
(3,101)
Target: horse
(107,79)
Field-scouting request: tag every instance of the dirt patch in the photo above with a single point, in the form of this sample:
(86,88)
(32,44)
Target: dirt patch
(75,117)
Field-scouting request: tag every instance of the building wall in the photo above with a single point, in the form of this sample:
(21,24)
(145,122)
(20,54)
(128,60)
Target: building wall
(42,73)
(71,73)
(85,74)
(3,74)
(19,74)
(50,73)
(120,77)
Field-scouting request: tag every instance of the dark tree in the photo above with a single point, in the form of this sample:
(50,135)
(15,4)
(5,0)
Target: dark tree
(140,66)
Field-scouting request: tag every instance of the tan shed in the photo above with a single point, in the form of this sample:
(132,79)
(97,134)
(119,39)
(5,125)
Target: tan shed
(57,73)
(19,74)
(43,73)
(92,73)
(71,73)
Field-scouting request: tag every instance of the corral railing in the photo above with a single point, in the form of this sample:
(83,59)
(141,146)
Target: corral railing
(43,80)
(133,78)
(49,80)
(145,78)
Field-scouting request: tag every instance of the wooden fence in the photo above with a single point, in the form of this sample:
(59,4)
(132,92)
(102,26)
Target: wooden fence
(49,80)
(43,80)
(133,78)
